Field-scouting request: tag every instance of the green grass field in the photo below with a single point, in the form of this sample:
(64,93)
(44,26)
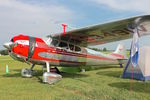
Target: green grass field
(100,84)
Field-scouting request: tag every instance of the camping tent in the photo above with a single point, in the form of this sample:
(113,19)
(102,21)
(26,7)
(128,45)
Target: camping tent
(142,71)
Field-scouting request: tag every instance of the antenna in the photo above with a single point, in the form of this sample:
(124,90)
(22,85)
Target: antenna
(64,26)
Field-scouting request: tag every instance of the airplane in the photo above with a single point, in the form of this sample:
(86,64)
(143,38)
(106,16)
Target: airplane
(71,48)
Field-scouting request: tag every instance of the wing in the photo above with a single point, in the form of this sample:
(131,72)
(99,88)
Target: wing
(108,32)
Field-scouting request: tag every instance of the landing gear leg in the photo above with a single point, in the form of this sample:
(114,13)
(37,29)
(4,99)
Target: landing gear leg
(32,67)
(27,72)
(47,66)
(49,77)
(121,66)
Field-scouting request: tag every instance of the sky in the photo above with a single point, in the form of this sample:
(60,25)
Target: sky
(43,17)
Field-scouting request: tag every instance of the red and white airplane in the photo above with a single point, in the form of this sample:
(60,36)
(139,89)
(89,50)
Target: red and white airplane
(69,48)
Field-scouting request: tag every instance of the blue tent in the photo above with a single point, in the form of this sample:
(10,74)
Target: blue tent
(142,70)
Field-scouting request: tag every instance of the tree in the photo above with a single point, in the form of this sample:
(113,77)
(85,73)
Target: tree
(96,49)
(4,52)
(104,49)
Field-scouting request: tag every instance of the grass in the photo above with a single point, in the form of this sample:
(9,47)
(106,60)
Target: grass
(100,84)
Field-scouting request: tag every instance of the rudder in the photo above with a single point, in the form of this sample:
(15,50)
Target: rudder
(120,52)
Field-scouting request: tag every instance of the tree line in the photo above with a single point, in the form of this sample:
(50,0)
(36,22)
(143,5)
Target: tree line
(97,49)
(4,52)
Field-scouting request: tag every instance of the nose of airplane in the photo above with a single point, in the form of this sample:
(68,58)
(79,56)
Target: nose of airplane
(8,45)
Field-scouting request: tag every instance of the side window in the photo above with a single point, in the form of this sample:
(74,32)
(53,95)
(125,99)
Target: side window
(54,42)
(78,49)
(63,45)
(71,47)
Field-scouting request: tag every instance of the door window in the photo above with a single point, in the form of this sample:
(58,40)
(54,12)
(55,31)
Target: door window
(71,47)
(63,45)
(78,49)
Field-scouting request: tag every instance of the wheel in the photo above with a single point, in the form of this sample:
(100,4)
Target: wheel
(51,78)
(26,73)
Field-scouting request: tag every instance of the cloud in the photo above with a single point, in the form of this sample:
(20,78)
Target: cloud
(126,5)
(31,18)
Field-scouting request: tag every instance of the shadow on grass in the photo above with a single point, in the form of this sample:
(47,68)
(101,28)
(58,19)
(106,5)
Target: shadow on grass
(143,87)
(40,73)
(18,73)
(100,67)
(12,75)
(73,75)
(116,74)
(16,70)
(64,75)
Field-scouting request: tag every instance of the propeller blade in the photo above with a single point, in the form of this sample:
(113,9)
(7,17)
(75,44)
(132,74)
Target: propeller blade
(9,45)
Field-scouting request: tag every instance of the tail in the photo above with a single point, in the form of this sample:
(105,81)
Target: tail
(120,52)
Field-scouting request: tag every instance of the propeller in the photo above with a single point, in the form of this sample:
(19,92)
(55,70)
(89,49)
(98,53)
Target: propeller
(9,45)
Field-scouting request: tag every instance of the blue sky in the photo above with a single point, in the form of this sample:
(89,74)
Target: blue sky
(43,17)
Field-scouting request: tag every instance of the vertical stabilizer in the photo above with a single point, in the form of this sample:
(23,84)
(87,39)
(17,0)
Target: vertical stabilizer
(120,52)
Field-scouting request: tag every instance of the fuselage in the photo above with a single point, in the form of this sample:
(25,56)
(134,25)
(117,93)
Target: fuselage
(57,52)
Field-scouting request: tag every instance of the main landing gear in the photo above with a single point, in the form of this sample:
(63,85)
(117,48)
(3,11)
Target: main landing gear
(121,66)
(27,72)
(49,77)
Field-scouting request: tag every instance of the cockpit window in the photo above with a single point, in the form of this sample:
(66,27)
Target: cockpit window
(63,45)
(54,42)
(78,49)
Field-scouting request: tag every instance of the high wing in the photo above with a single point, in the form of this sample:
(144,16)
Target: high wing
(108,32)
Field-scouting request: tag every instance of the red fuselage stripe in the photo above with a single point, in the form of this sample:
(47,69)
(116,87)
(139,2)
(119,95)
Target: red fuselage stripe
(117,55)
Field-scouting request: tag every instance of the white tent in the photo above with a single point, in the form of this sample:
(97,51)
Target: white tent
(142,71)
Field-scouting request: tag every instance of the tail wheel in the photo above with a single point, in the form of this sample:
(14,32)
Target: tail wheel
(121,66)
